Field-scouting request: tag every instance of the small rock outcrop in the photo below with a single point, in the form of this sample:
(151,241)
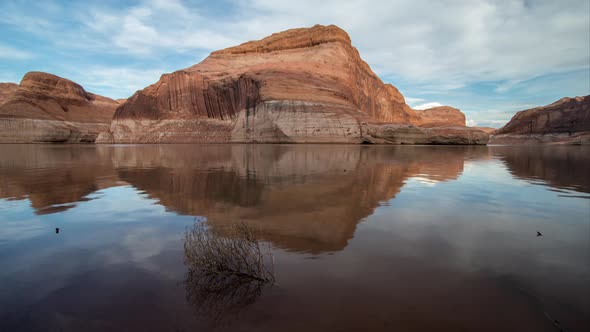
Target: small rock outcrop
(441,116)
(566,121)
(48,108)
(305,85)
(487,130)
(6,90)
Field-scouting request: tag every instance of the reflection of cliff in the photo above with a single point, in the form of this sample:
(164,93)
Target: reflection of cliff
(53,178)
(559,166)
(189,190)
(305,198)
(301,197)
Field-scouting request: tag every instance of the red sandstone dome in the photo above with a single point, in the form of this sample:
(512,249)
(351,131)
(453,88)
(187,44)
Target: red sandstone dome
(296,86)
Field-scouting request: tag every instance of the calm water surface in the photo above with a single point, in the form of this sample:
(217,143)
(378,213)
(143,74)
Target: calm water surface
(364,237)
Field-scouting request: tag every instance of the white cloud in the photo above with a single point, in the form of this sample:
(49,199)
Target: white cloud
(116,82)
(11,53)
(451,45)
(427,105)
(412,101)
(453,42)
(489,118)
(153,26)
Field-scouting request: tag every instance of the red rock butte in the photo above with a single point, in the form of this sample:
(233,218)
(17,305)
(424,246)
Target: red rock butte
(441,116)
(306,85)
(48,108)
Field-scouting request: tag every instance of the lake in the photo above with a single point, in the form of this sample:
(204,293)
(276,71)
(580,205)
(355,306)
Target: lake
(364,238)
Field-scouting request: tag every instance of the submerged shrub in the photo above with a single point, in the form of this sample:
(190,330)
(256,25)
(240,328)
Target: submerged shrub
(227,268)
(232,250)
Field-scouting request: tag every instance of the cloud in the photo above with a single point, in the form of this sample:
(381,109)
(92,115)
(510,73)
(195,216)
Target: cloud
(453,43)
(11,53)
(116,82)
(153,26)
(488,118)
(436,54)
(412,101)
(427,106)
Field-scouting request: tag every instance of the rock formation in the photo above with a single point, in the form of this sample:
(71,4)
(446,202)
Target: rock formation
(441,116)
(48,108)
(6,90)
(487,130)
(297,86)
(566,121)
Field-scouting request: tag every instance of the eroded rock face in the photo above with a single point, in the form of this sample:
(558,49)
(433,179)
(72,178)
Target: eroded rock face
(48,108)
(6,90)
(298,86)
(566,121)
(441,116)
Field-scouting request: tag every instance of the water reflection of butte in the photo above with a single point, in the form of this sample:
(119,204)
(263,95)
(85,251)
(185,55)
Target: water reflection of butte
(563,167)
(303,198)
(54,178)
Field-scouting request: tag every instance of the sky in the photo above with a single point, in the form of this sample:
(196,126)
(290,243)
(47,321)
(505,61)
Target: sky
(487,58)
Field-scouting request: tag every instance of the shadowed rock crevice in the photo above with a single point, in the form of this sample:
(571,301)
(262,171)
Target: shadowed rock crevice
(188,95)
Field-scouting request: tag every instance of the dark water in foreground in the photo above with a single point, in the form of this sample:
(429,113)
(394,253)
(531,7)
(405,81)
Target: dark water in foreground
(364,237)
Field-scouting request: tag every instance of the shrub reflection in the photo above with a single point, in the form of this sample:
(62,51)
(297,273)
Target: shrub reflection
(228,267)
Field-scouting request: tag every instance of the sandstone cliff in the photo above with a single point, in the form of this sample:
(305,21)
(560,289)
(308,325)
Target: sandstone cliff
(6,90)
(297,86)
(48,108)
(566,121)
